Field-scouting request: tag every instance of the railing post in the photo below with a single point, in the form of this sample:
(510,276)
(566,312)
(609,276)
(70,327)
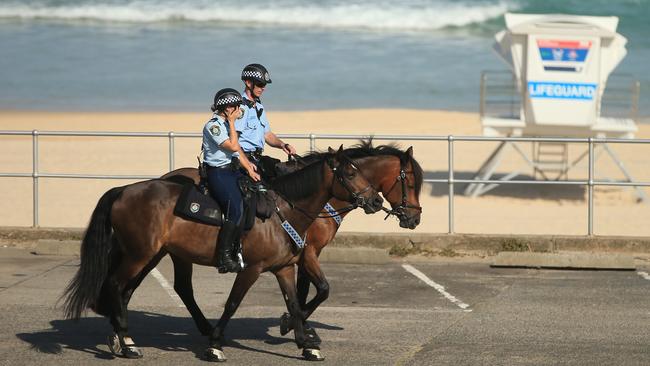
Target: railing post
(482,95)
(590,211)
(450,147)
(636,91)
(312,142)
(35,178)
(171,150)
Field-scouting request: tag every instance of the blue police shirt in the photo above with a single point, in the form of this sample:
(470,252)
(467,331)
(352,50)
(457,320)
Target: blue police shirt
(252,127)
(215,132)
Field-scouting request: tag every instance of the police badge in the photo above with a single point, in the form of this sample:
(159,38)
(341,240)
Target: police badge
(215,130)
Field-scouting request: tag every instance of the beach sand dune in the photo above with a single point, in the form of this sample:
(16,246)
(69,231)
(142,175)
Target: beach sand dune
(508,209)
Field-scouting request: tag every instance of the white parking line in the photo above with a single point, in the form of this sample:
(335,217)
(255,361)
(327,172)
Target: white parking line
(644,275)
(438,287)
(165,285)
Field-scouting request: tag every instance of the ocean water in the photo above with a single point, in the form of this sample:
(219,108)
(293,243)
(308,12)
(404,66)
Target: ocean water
(172,55)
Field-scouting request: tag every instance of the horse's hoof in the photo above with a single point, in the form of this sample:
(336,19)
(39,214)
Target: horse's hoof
(114,344)
(285,324)
(126,348)
(215,355)
(131,352)
(312,354)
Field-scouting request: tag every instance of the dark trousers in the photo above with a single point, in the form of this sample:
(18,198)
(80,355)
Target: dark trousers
(223,187)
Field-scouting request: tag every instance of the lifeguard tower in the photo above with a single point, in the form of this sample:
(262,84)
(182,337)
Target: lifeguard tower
(560,66)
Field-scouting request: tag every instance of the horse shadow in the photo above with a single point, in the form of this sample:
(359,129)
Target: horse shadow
(164,332)
(520,191)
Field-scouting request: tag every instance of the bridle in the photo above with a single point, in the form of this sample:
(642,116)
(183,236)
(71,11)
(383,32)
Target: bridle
(400,210)
(356,199)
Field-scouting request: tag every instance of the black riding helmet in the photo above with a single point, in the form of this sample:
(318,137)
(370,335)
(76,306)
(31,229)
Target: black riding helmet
(225,98)
(256,72)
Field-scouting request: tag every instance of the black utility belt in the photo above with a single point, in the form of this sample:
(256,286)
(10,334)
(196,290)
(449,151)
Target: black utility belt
(255,155)
(226,166)
(233,165)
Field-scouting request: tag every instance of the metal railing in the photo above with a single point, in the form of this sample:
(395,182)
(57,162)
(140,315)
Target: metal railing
(36,174)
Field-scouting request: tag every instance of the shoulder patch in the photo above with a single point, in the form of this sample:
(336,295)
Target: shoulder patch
(215,130)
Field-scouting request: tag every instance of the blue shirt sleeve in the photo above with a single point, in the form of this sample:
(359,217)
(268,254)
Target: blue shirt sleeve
(216,130)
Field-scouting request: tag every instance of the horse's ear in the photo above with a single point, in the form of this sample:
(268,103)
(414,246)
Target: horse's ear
(330,150)
(409,151)
(340,154)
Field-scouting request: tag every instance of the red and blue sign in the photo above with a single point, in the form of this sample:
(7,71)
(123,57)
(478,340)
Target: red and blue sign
(563,51)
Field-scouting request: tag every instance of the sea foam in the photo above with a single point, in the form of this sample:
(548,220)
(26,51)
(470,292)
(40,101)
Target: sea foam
(419,16)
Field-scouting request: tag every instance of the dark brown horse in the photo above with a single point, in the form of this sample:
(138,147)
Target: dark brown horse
(133,227)
(393,172)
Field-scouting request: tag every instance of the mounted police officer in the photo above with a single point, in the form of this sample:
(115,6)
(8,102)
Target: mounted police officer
(254,126)
(222,161)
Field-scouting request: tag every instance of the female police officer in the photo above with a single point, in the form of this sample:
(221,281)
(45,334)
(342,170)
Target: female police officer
(220,145)
(254,127)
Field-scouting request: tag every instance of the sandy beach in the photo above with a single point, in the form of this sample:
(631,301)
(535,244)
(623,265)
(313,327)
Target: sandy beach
(553,210)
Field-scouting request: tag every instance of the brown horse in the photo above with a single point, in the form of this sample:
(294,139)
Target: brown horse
(133,227)
(390,170)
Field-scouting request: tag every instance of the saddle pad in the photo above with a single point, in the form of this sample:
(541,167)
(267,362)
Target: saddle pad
(194,206)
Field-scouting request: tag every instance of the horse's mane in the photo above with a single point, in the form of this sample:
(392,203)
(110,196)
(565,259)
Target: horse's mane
(303,182)
(365,149)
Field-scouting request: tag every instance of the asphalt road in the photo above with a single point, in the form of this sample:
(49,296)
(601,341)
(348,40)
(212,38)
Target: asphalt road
(421,313)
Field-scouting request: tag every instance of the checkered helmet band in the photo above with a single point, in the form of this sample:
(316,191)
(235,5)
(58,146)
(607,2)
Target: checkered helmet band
(226,97)
(229,99)
(256,72)
(251,74)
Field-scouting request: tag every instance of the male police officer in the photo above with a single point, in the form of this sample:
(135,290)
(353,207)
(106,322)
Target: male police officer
(254,125)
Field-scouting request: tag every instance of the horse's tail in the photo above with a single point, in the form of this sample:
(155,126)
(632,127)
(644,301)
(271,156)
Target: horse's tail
(86,286)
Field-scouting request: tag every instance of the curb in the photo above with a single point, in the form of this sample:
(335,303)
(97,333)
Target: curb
(355,255)
(493,244)
(608,261)
(64,240)
(57,247)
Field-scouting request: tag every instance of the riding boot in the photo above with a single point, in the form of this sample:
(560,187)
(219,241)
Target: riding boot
(225,243)
(237,251)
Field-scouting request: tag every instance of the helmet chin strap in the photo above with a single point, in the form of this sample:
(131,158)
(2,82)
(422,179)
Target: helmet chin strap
(250,92)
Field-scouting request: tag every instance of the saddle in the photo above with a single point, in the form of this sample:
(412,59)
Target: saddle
(195,203)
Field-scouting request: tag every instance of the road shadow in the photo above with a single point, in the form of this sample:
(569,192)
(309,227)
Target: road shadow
(164,332)
(520,191)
